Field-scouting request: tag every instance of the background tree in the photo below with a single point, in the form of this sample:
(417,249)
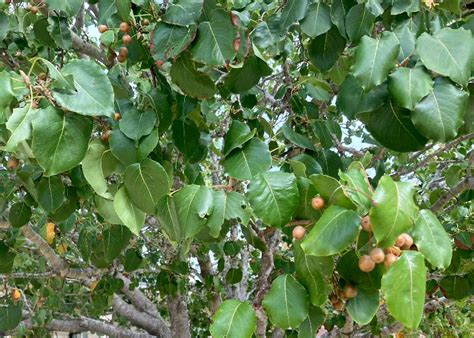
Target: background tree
(272,165)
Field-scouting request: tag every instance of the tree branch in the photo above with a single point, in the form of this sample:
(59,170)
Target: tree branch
(179,317)
(465,184)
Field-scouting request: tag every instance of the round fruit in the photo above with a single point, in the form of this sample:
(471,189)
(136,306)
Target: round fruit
(121,58)
(317,203)
(124,27)
(366,263)
(394,250)
(159,63)
(34,9)
(234,20)
(389,259)
(28,7)
(126,39)
(338,306)
(12,163)
(123,51)
(15,295)
(349,291)
(236,44)
(400,242)
(117,116)
(377,255)
(42,76)
(102,28)
(298,232)
(104,137)
(145,22)
(408,241)
(365,223)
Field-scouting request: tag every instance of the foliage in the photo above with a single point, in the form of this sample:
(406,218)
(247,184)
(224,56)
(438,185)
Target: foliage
(156,170)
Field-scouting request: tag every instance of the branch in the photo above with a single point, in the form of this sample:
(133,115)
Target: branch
(465,184)
(83,47)
(342,148)
(178,309)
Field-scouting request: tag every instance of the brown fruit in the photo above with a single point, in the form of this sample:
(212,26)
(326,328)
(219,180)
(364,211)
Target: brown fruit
(377,255)
(408,241)
(400,241)
(123,51)
(117,116)
(121,58)
(34,9)
(298,232)
(349,291)
(145,22)
(15,295)
(317,203)
(365,223)
(394,250)
(126,39)
(338,306)
(12,163)
(159,63)
(236,44)
(389,259)
(102,28)
(233,20)
(42,76)
(104,137)
(28,7)
(366,263)
(124,27)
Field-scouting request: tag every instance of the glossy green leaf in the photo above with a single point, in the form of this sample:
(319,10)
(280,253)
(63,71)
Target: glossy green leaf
(59,139)
(297,138)
(93,95)
(227,206)
(190,141)
(286,304)
(394,210)
(312,323)
(122,147)
(393,128)
(129,214)
(405,6)
(294,11)
(106,209)
(70,7)
(307,191)
(455,287)
(359,22)
(407,86)
(448,52)
(331,191)
(333,232)
(357,186)
(253,158)
(440,114)
(107,8)
(234,318)
(170,40)
(317,20)
(273,197)
(240,80)
(374,59)
(183,12)
(432,240)
(314,273)
(325,49)
(339,9)
(146,183)
(19,215)
(50,193)
(19,125)
(191,81)
(363,307)
(10,316)
(404,287)
(238,134)
(135,124)
(8,258)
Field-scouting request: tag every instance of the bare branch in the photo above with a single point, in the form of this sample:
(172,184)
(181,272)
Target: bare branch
(342,148)
(467,183)
(179,317)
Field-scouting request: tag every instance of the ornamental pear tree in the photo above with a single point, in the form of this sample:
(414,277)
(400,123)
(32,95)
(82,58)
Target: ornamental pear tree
(236,168)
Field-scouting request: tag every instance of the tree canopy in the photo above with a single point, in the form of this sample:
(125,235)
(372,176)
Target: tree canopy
(236,168)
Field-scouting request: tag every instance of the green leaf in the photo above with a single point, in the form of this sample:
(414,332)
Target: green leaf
(4,25)
(183,12)
(333,232)
(170,40)
(440,114)
(404,287)
(432,240)
(455,287)
(131,216)
(294,11)
(331,191)
(374,7)
(19,215)
(50,193)
(240,80)
(10,316)
(394,212)
(286,304)
(393,128)
(96,165)
(59,31)
(312,323)
(311,165)
(307,191)
(8,258)
(234,318)
(325,49)
(314,273)
(296,138)
(70,7)
(122,147)
(123,9)
(253,158)
(238,134)
(339,9)
(317,20)
(106,209)
(363,307)
(115,239)
(405,6)
(359,22)
(135,124)
(227,206)
(213,45)
(93,95)
(330,162)
(190,141)
(19,125)
(59,139)
(357,186)
(374,59)
(192,82)
(107,8)
(146,183)
(448,52)
(407,86)
(148,144)
(273,197)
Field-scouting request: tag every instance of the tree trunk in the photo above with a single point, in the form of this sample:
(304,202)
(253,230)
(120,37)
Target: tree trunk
(180,326)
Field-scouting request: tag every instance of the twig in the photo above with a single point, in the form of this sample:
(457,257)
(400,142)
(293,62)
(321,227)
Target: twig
(465,184)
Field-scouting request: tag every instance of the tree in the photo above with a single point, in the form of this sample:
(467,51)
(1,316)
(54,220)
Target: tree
(158,155)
